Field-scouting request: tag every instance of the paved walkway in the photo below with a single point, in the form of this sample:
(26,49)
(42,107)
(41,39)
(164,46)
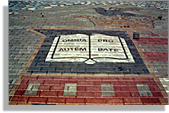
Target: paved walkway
(104,53)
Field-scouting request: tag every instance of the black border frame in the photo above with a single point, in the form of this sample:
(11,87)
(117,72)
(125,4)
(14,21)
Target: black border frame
(40,66)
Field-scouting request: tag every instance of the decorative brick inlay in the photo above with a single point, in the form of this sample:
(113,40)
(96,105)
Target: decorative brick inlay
(107,90)
(32,89)
(70,89)
(144,90)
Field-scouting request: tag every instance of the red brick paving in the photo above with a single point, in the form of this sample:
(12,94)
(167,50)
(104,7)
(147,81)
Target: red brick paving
(52,100)
(156,56)
(37,100)
(75,101)
(95,101)
(150,100)
(49,94)
(44,88)
(153,41)
(114,101)
(57,88)
(17,99)
(152,34)
(132,101)
(88,92)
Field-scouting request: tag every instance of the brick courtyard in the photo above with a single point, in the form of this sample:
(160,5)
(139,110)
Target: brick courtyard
(87,54)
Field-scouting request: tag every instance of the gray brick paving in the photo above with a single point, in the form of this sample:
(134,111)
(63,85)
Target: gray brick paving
(160,68)
(154,48)
(21,48)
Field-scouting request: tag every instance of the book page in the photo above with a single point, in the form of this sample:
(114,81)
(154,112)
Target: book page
(69,48)
(106,48)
